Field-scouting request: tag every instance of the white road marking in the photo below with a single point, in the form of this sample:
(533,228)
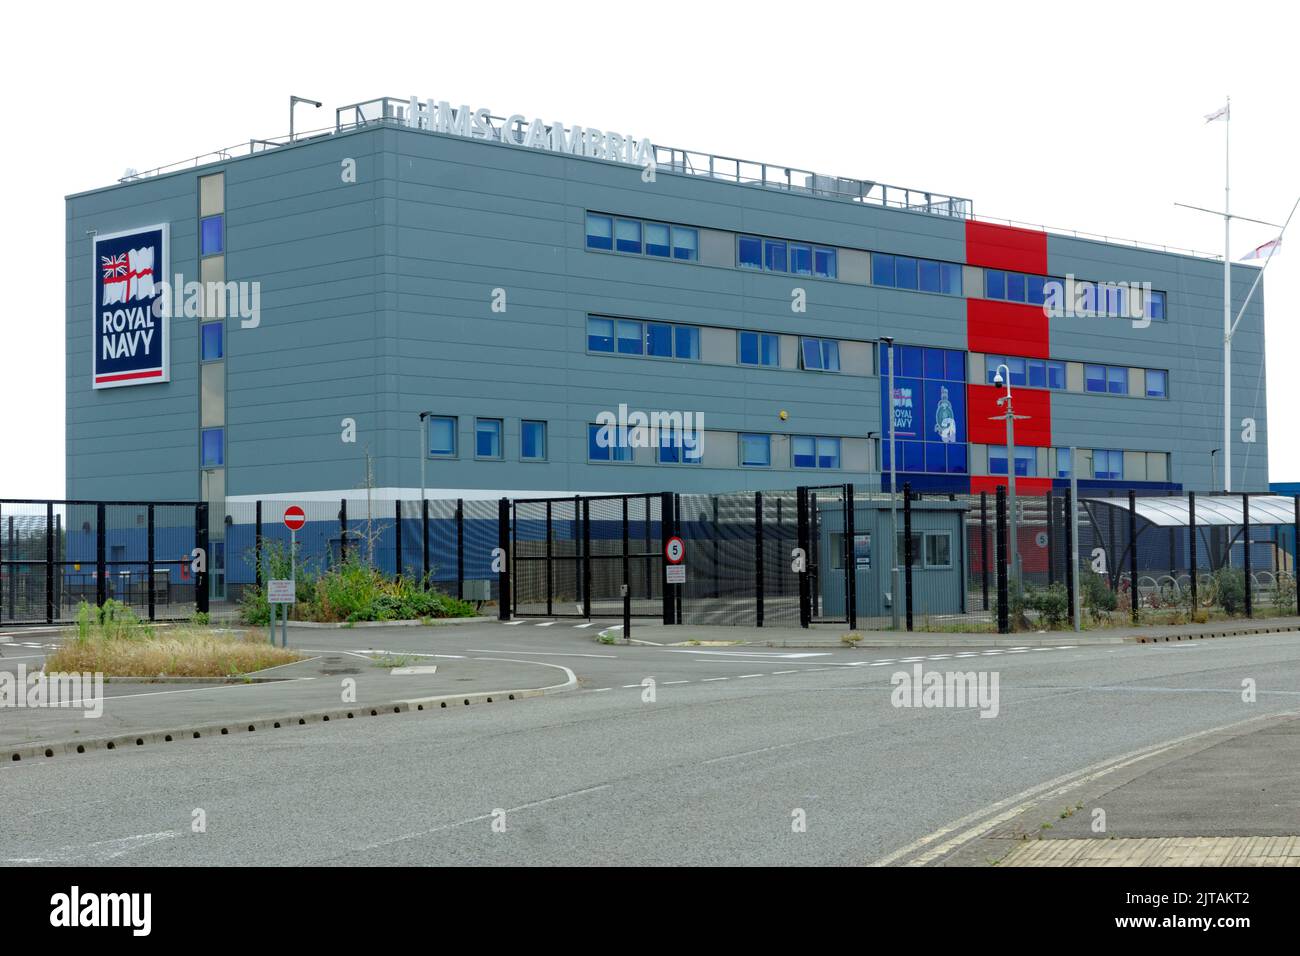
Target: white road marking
(545,623)
(707,679)
(667,682)
(514,623)
(742,653)
(776,673)
(511,650)
(588,624)
(101,850)
(881,663)
(597,690)
(743,676)
(410,671)
(626,686)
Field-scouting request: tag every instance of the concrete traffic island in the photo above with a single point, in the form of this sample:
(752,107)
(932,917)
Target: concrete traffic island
(326,686)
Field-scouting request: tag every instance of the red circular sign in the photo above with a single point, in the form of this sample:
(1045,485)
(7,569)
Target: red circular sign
(674,550)
(294,517)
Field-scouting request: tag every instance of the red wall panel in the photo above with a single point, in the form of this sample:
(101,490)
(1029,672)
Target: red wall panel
(1036,430)
(1024,486)
(1007,328)
(1005,247)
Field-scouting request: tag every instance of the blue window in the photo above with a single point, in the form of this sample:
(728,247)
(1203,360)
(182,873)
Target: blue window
(600,232)
(1157,384)
(1016,366)
(934,364)
(686,243)
(800,259)
(603,444)
(1117,380)
(995,284)
(659,339)
(532,441)
(755,450)
(1056,375)
(1156,310)
(820,355)
(1094,378)
(774,255)
(1015,287)
(749,252)
(1036,373)
(1062,463)
(929,276)
(828,453)
(442,436)
(487,438)
(211,236)
(211,335)
(991,363)
(957,455)
(803,451)
(904,272)
(760,348)
(955,366)
(600,334)
(913,455)
(910,361)
(213,447)
(1035,290)
(688,342)
(824,263)
(950,279)
(627,235)
(1107,463)
(678,447)
(629,337)
(882,269)
(1026,461)
(657,239)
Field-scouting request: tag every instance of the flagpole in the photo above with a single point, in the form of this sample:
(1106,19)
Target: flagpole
(1227,307)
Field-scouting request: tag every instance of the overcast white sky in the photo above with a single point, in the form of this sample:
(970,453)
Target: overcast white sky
(1083,116)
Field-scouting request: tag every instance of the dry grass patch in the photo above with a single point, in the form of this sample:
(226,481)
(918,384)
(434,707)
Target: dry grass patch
(119,645)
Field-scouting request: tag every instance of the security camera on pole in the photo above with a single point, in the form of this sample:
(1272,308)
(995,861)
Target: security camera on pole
(1010,417)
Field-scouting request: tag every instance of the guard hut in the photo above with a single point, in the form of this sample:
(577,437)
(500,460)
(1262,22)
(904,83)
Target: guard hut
(939,565)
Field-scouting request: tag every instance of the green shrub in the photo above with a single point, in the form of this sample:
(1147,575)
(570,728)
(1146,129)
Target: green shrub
(1098,597)
(1284,593)
(1051,603)
(1230,586)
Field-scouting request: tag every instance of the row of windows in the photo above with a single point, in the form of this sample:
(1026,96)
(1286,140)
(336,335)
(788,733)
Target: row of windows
(634,337)
(923,275)
(1037,373)
(1047,373)
(777,255)
(915,361)
(1106,463)
(806,451)
(666,240)
(1114,380)
(442,435)
(638,237)
(1032,290)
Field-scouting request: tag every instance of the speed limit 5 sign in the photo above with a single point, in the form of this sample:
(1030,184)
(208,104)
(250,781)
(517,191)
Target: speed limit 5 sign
(674,550)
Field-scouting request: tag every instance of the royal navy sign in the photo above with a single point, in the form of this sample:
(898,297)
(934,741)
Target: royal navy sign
(130,317)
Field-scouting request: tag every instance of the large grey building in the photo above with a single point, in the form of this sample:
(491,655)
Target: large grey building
(429,286)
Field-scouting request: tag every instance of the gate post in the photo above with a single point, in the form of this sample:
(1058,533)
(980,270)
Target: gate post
(627,578)
(1132,556)
(149,572)
(503,543)
(1245,551)
(257,542)
(49,562)
(801,500)
(667,528)
(1004,625)
(851,555)
(200,542)
(101,567)
(343,531)
(586,558)
(984,546)
(548,550)
(758,558)
(1070,569)
(424,534)
(460,549)
(907,548)
(1051,539)
(1191,548)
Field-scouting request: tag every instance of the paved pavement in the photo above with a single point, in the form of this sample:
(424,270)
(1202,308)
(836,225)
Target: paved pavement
(758,756)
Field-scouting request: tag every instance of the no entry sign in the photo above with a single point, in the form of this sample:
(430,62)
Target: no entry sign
(294,518)
(674,550)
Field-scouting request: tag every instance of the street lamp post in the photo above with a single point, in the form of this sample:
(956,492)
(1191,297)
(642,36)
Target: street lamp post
(888,341)
(1214,481)
(423,455)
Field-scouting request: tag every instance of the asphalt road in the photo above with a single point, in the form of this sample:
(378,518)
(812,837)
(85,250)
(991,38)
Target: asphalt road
(736,746)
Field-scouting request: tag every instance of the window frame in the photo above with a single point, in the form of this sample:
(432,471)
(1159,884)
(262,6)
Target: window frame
(767,444)
(454,420)
(926,537)
(523,428)
(500,438)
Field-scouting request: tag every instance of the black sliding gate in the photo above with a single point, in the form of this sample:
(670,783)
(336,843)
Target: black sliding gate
(56,554)
(573,556)
(828,539)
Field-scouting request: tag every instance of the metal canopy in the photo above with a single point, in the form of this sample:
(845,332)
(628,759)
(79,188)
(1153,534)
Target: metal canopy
(1213,510)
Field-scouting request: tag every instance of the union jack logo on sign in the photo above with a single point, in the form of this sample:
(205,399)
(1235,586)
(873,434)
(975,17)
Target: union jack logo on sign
(113,265)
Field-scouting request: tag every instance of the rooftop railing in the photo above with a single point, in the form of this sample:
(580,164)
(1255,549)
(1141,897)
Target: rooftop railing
(392,111)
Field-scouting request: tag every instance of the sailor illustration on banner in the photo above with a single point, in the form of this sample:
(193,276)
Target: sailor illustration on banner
(945,422)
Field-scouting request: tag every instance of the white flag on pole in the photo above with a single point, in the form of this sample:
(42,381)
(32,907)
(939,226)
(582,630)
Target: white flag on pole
(1271,248)
(1220,113)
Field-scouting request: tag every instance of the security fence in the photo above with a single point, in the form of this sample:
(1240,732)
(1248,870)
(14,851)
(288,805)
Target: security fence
(848,556)
(57,555)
